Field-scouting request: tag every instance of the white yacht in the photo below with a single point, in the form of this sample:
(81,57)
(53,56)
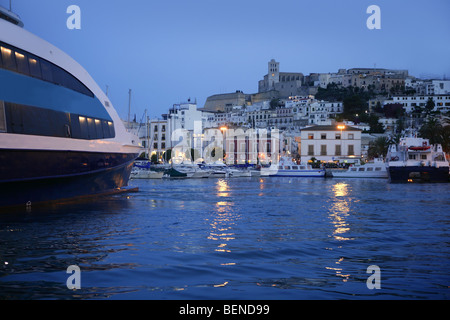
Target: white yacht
(60,137)
(287,168)
(375,169)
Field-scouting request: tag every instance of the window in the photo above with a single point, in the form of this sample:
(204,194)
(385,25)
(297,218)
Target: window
(310,150)
(294,167)
(163,145)
(22,63)
(23,119)
(323,136)
(337,150)
(378,169)
(155,145)
(369,169)
(350,136)
(35,68)
(19,61)
(2,117)
(8,59)
(310,136)
(323,150)
(338,136)
(423,156)
(351,150)
(360,169)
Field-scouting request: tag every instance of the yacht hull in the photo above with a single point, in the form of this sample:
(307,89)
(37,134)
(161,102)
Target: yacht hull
(39,177)
(418,174)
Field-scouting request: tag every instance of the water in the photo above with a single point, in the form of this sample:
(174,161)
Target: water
(241,238)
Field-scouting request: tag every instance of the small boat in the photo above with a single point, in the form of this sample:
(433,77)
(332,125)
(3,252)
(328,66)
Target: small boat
(375,169)
(238,172)
(287,168)
(192,170)
(142,169)
(416,160)
(216,169)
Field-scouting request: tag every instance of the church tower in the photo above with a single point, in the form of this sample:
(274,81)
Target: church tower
(273,73)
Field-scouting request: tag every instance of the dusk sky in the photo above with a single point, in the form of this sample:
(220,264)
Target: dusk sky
(169,51)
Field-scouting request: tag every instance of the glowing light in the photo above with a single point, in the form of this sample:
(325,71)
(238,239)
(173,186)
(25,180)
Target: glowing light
(341,127)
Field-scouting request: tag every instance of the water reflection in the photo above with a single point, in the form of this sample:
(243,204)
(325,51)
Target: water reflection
(223,220)
(339,212)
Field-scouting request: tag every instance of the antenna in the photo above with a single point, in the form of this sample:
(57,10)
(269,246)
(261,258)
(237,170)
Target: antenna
(129,106)
(10,5)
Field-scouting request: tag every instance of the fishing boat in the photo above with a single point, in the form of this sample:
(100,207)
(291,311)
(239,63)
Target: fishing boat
(375,169)
(414,159)
(287,168)
(60,137)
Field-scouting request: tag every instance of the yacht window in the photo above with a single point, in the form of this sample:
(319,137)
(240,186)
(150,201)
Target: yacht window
(423,157)
(377,169)
(361,169)
(47,73)
(2,117)
(280,167)
(98,129)
(8,59)
(369,169)
(294,168)
(22,63)
(35,68)
(353,169)
(287,167)
(84,133)
(112,133)
(412,157)
(91,128)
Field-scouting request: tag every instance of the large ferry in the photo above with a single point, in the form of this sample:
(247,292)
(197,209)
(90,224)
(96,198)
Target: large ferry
(60,137)
(415,160)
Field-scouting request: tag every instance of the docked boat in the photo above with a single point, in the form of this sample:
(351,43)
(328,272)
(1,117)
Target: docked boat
(233,172)
(415,160)
(60,137)
(192,170)
(375,169)
(287,168)
(143,170)
(216,169)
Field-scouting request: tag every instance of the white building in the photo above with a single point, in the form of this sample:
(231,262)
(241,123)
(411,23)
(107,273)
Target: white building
(331,143)
(441,102)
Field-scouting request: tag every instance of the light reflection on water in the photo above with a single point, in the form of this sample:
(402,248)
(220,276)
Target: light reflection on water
(264,238)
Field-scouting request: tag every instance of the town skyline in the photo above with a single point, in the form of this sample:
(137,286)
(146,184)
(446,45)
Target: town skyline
(166,53)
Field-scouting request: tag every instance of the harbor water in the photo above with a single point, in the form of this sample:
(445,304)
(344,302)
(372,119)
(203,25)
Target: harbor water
(240,238)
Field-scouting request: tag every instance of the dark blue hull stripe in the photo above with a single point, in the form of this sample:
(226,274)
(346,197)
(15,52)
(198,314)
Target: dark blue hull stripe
(59,182)
(418,174)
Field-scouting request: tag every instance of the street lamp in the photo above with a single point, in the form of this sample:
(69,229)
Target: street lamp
(341,127)
(223,129)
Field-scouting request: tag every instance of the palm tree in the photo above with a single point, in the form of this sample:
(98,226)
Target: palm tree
(379,147)
(432,129)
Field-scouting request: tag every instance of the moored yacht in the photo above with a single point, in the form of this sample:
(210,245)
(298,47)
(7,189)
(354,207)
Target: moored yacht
(287,168)
(375,169)
(415,160)
(60,137)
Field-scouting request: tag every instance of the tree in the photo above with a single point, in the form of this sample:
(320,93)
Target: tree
(154,158)
(379,147)
(430,105)
(433,130)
